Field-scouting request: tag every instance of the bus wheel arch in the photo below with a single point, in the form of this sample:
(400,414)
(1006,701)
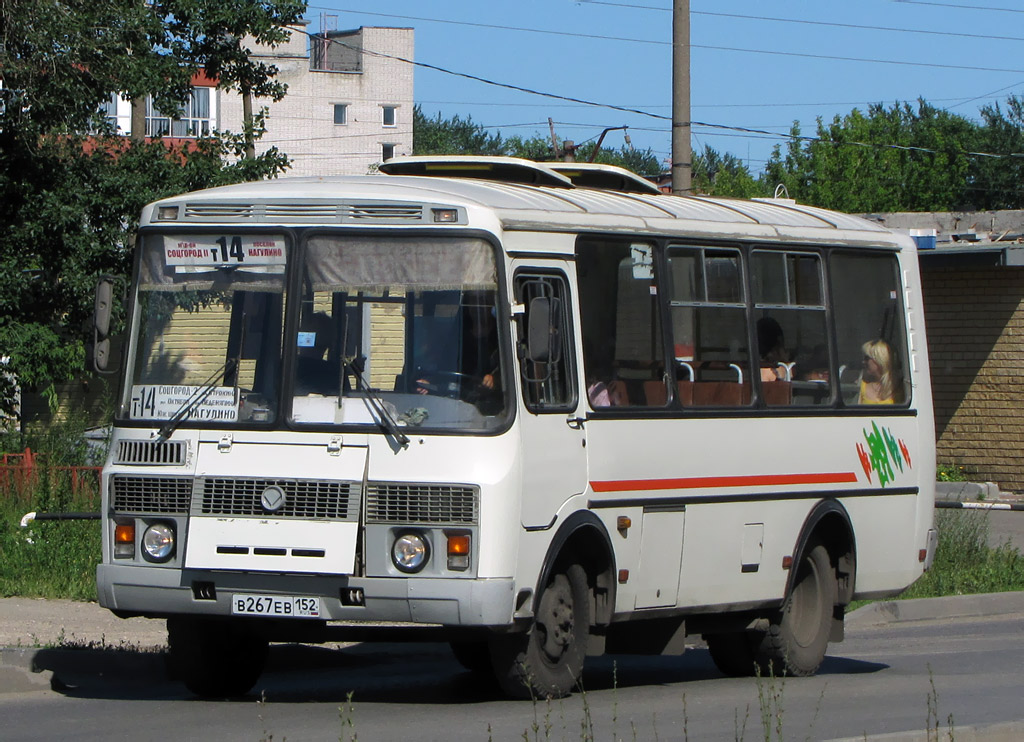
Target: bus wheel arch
(829,524)
(819,586)
(574,594)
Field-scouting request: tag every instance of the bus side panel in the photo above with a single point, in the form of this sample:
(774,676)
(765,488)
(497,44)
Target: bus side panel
(748,485)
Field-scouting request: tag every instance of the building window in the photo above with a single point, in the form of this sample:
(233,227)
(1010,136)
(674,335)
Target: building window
(389,115)
(108,110)
(193,120)
(387,151)
(340,114)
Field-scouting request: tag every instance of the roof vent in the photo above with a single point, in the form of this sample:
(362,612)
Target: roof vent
(503,169)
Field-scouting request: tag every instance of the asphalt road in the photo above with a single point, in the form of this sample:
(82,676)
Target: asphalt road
(888,676)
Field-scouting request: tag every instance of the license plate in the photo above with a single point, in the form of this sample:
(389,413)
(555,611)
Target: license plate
(279,606)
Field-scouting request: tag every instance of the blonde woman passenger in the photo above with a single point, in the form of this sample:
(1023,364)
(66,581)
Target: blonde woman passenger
(877,384)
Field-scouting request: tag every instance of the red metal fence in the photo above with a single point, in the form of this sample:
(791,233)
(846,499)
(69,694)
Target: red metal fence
(20,474)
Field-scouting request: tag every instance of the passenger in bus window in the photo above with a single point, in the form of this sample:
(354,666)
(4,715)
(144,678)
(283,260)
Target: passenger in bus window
(876,381)
(771,345)
(814,367)
(602,388)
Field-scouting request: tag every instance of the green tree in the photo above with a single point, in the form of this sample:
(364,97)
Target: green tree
(69,200)
(452,136)
(725,175)
(998,182)
(899,158)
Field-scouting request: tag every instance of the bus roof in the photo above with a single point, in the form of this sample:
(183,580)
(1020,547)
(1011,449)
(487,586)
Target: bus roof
(408,200)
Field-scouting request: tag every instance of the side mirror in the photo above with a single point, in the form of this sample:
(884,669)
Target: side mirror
(538,331)
(101,325)
(544,332)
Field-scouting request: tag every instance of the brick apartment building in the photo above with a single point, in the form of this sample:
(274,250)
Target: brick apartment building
(349,104)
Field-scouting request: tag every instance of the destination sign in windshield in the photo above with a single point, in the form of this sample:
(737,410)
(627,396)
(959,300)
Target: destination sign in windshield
(241,250)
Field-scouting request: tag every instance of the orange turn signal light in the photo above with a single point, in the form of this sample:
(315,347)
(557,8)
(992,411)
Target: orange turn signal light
(458,545)
(124,534)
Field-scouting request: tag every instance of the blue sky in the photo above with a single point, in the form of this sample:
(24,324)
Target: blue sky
(754,65)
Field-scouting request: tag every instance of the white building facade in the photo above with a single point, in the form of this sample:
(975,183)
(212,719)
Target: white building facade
(348,108)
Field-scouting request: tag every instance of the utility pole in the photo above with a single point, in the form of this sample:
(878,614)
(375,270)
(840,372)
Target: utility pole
(682,156)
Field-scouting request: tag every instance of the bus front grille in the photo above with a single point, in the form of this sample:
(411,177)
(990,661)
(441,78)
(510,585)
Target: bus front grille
(230,496)
(395,502)
(151,453)
(164,495)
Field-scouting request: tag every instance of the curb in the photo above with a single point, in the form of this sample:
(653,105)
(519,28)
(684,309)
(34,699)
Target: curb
(961,491)
(923,609)
(1010,731)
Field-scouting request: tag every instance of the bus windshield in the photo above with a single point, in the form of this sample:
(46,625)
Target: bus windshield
(395,330)
(409,325)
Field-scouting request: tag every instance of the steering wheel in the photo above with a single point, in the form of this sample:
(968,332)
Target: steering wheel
(445,383)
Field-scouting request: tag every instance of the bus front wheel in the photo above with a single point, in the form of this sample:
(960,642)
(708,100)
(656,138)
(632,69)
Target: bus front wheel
(547,660)
(215,659)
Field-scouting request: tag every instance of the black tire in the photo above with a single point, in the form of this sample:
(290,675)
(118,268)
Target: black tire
(797,636)
(475,656)
(734,652)
(215,659)
(547,660)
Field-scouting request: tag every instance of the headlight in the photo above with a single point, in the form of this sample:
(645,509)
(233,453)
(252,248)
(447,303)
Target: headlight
(158,542)
(410,552)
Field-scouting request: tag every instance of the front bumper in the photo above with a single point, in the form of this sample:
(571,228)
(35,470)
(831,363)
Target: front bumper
(155,591)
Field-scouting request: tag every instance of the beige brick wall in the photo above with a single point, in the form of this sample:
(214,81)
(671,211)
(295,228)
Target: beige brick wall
(302,124)
(975,325)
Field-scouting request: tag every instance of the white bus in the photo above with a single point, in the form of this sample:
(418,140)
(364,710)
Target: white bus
(537,411)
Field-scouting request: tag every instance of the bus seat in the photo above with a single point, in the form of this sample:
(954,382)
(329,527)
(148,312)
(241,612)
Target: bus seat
(721,394)
(777,393)
(655,393)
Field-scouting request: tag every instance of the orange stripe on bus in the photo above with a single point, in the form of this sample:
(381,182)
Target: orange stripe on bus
(752,480)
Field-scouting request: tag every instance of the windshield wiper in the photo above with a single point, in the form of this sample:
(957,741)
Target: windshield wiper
(384,418)
(197,398)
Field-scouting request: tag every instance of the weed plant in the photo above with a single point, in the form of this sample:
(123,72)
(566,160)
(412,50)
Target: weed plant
(964,561)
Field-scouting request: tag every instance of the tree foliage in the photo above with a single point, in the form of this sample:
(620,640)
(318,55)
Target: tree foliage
(718,174)
(906,158)
(452,136)
(69,198)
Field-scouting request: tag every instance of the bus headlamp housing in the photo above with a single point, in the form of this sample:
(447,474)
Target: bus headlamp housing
(158,542)
(410,552)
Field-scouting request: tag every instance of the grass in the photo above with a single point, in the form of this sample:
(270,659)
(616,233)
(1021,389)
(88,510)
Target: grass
(52,559)
(49,559)
(965,563)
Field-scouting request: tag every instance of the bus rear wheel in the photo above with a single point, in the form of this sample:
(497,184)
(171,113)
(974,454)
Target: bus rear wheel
(215,659)
(734,653)
(797,636)
(547,660)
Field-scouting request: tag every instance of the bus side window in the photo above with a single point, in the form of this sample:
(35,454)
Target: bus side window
(548,385)
(621,324)
(709,327)
(869,317)
(790,328)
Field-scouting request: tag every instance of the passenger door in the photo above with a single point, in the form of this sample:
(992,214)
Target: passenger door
(553,440)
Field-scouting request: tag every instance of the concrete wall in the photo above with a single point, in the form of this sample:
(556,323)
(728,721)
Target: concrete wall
(975,326)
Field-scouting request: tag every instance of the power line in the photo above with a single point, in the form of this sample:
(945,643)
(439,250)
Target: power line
(929,65)
(831,24)
(596,104)
(960,7)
